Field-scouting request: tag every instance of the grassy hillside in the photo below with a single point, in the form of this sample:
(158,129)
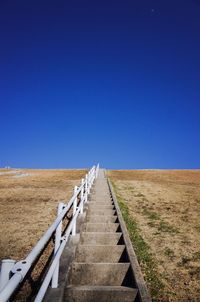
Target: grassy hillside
(28,205)
(161,210)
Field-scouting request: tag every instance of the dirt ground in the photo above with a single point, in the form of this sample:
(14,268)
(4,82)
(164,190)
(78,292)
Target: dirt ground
(166,206)
(28,205)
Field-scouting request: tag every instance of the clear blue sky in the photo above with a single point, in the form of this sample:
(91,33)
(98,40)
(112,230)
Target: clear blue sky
(115,82)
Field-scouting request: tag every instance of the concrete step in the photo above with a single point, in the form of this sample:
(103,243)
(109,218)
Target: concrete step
(106,274)
(100,294)
(101,189)
(101,212)
(101,253)
(101,194)
(101,218)
(89,238)
(101,227)
(102,203)
(101,199)
(100,207)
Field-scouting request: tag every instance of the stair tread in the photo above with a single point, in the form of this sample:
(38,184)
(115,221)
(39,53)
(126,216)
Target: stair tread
(88,293)
(119,247)
(101,211)
(107,227)
(101,254)
(101,238)
(100,218)
(100,293)
(99,273)
(100,233)
(101,223)
(97,215)
(103,287)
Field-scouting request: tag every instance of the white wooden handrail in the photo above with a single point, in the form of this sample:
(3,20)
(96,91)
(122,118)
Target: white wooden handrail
(21,268)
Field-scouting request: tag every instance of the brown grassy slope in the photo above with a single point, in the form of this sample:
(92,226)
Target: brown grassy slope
(28,205)
(166,207)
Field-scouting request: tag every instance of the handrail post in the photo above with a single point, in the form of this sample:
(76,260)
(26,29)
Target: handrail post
(6,267)
(89,182)
(97,171)
(82,195)
(86,188)
(74,210)
(54,282)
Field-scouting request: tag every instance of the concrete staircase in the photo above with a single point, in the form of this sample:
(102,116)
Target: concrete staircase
(102,270)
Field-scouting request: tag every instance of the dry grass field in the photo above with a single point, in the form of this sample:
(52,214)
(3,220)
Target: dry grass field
(28,205)
(162,212)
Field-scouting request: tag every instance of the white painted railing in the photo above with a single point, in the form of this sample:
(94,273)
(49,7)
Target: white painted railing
(19,270)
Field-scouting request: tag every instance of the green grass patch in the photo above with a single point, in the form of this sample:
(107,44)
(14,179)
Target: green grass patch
(169,253)
(196,256)
(152,224)
(142,250)
(185,260)
(157,222)
(151,215)
(167,228)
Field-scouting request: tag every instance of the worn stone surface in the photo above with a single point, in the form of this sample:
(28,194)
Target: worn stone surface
(100,293)
(101,227)
(100,218)
(102,238)
(101,253)
(98,273)
(101,211)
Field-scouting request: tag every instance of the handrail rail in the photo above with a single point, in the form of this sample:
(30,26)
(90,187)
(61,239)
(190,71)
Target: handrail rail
(21,268)
(48,277)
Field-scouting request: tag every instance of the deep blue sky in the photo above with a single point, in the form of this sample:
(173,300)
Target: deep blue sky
(111,81)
